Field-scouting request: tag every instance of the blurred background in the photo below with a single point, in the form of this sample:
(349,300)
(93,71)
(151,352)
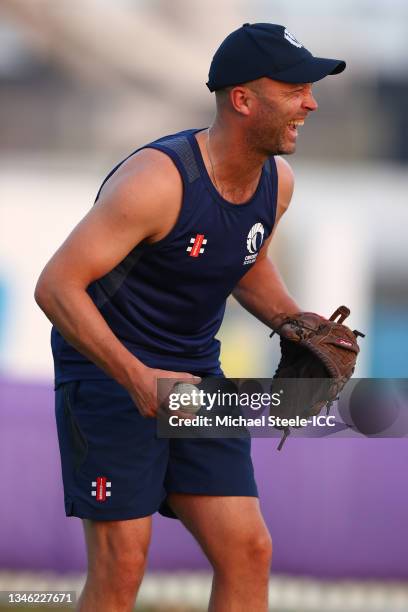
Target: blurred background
(82,84)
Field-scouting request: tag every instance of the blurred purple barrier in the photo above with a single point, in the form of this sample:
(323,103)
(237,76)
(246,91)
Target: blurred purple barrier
(335,507)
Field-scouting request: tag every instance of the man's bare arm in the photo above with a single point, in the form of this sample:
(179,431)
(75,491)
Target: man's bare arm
(141,202)
(262,291)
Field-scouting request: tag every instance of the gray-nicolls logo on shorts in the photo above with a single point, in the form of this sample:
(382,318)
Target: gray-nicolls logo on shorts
(99,488)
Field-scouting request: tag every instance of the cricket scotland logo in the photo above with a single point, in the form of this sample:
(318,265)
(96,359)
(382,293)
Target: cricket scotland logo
(255,238)
(254,242)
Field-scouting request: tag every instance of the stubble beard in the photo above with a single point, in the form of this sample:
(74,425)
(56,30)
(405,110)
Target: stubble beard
(286,149)
(271,140)
(268,138)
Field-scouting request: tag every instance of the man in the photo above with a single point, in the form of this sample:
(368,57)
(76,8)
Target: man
(137,292)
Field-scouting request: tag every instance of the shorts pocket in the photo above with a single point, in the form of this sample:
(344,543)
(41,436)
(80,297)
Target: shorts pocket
(79,444)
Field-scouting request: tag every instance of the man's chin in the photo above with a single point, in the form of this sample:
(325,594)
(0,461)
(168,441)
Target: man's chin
(282,148)
(287,150)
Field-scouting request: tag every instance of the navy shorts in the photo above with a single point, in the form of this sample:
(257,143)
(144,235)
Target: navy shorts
(114,466)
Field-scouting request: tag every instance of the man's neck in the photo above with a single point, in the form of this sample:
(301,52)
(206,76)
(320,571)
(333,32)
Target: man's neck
(233,166)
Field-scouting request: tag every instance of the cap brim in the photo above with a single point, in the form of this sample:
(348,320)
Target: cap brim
(310,70)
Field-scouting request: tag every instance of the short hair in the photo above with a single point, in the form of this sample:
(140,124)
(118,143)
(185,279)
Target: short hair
(221,95)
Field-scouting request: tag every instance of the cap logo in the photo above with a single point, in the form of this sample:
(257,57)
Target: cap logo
(290,38)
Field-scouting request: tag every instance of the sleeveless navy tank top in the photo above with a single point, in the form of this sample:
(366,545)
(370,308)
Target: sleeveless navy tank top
(166,301)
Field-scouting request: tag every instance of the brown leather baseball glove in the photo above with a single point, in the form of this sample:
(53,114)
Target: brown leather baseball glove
(321,353)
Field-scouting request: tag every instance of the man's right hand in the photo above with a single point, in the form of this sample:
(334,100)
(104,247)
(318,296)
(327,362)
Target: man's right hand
(143,391)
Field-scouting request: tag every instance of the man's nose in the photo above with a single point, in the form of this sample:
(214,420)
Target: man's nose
(310,102)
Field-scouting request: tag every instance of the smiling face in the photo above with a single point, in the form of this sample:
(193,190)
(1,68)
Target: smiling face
(276,111)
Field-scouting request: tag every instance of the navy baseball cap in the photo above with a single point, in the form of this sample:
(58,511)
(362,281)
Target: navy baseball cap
(266,50)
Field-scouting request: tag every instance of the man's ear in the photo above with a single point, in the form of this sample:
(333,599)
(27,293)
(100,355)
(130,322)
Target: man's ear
(242,99)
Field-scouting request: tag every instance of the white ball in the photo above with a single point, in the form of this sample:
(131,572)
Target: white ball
(186,389)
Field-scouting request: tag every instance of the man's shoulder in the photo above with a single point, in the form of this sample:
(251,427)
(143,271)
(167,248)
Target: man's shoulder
(146,190)
(176,137)
(285,171)
(154,160)
(286,182)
